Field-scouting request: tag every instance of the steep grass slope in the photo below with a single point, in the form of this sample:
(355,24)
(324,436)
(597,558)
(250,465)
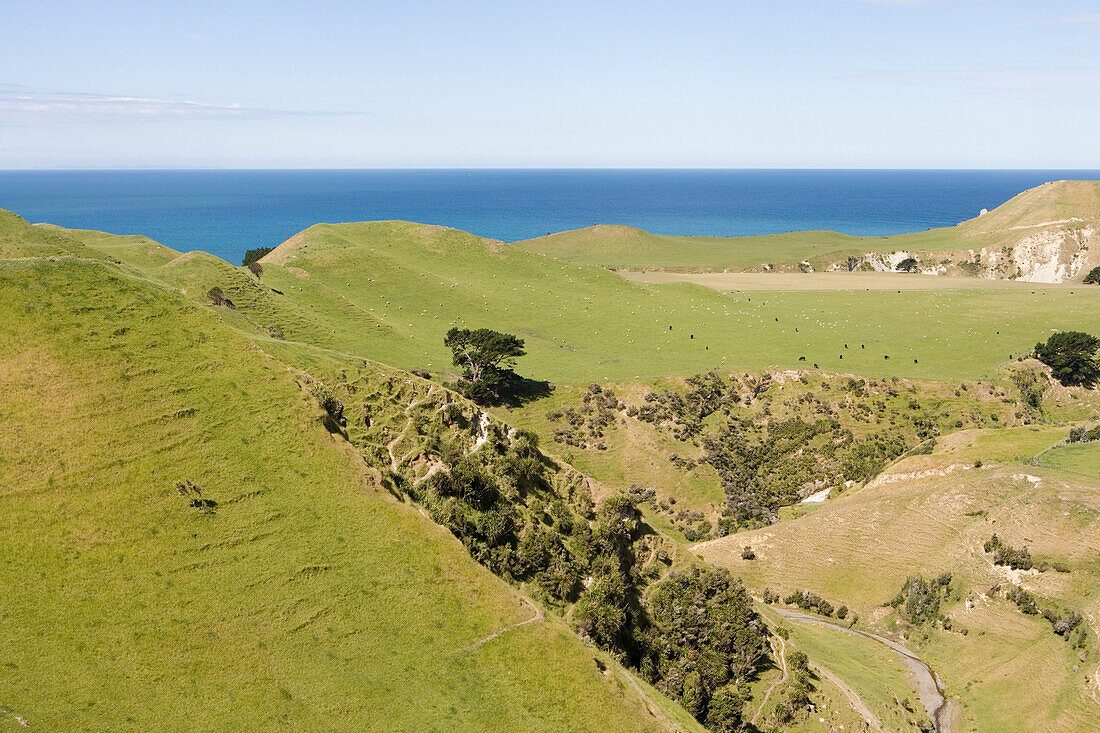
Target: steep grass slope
(307,598)
(1038,223)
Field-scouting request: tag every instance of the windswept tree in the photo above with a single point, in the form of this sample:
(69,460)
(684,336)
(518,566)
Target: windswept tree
(484,355)
(907,265)
(1093,278)
(1071,356)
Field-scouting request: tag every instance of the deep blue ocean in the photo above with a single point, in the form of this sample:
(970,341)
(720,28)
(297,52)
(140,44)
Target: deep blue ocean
(227,212)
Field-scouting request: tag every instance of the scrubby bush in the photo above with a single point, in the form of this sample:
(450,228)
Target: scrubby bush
(919,600)
(215,296)
(705,637)
(809,601)
(1032,386)
(1083,434)
(1017,559)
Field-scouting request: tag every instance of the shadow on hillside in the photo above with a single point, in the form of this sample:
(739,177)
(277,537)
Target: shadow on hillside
(517,391)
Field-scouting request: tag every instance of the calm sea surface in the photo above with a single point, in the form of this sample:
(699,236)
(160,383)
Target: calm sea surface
(227,212)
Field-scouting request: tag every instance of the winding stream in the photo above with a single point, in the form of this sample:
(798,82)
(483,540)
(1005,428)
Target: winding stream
(929,685)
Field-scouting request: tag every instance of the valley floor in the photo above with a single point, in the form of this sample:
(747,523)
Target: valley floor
(789,281)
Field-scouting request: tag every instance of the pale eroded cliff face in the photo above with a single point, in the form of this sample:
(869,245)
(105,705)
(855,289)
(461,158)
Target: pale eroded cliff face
(1055,253)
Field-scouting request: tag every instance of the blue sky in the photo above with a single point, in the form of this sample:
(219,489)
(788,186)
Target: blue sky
(693,83)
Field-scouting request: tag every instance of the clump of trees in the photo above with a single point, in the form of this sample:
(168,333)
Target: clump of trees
(809,601)
(919,600)
(1083,434)
(704,644)
(255,255)
(487,359)
(1093,278)
(1062,622)
(1004,554)
(1071,356)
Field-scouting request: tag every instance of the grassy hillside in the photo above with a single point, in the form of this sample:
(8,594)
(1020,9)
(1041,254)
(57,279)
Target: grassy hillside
(391,290)
(930,514)
(630,248)
(360,613)
(131,249)
(306,598)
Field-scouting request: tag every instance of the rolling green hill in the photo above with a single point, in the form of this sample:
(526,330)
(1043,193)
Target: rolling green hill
(319,592)
(1059,203)
(391,290)
(304,596)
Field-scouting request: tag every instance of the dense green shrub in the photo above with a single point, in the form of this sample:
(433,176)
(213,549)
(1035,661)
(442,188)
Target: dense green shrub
(705,642)
(795,696)
(1071,356)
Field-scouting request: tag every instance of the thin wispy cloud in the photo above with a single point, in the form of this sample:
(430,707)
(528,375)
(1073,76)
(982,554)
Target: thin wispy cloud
(1076,19)
(19,103)
(1074,84)
(899,3)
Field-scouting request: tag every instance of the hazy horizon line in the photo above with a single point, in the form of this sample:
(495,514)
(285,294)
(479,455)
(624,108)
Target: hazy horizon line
(155,169)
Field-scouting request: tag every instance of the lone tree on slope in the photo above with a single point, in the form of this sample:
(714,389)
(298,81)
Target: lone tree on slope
(907,265)
(1071,356)
(1093,278)
(486,356)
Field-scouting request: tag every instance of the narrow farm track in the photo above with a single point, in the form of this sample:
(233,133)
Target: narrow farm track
(538,616)
(781,655)
(929,686)
(853,699)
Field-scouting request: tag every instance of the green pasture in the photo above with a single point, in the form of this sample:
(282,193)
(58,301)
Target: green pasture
(307,599)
